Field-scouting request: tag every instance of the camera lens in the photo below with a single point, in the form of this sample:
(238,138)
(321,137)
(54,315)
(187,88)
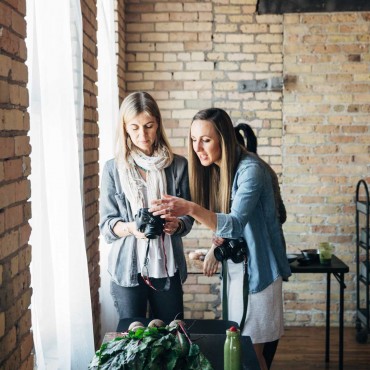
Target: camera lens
(238,256)
(220,253)
(233,249)
(151,232)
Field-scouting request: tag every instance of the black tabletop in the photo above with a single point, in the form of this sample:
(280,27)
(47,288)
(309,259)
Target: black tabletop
(336,266)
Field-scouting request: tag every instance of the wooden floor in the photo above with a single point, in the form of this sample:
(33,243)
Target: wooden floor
(303,348)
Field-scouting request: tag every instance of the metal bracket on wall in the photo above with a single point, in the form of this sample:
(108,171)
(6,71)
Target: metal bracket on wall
(269,84)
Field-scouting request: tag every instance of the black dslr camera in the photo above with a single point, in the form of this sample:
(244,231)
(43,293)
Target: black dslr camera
(235,249)
(151,226)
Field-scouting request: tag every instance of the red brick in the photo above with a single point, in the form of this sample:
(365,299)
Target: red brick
(7,147)
(24,258)
(28,364)
(5,15)
(13,169)
(9,42)
(25,232)
(13,216)
(7,195)
(9,244)
(2,222)
(8,341)
(22,190)
(19,24)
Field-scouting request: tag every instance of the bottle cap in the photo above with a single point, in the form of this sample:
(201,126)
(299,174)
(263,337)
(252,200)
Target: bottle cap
(233,332)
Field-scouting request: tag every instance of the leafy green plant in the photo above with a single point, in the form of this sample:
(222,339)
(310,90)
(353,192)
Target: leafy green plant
(154,348)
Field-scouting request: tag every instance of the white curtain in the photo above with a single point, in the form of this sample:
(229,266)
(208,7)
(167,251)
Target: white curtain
(108,116)
(61,305)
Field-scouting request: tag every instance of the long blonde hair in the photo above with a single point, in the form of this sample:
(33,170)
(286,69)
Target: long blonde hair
(210,186)
(133,105)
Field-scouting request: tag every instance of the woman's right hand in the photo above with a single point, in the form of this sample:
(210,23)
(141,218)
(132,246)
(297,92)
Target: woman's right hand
(133,231)
(138,235)
(123,229)
(170,205)
(210,264)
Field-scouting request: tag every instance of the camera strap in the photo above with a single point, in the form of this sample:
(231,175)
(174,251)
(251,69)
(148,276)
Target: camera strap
(145,270)
(225,308)
(245,294)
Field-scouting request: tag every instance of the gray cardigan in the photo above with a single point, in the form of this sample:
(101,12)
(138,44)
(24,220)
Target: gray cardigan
(114,207)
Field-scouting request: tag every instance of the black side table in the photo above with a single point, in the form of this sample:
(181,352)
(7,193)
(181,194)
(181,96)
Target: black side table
(338,268)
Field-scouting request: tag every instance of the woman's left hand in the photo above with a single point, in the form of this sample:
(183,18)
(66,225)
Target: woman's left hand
(169,206)
(171,225)
(210,264)
(217,240)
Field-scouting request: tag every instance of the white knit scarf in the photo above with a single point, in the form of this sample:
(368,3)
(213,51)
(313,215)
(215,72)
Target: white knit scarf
(132,182)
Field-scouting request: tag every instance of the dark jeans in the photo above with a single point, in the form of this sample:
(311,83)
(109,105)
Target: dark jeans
(164,305)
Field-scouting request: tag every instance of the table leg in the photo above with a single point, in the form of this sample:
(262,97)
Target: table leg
(341,317)
(327,343)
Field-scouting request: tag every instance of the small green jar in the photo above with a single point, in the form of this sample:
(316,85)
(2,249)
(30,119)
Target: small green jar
(232,350)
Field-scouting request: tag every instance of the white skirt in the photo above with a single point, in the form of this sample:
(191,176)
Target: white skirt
(264,321)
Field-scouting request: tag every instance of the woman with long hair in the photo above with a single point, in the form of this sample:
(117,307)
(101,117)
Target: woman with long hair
(146,261)
(232,194)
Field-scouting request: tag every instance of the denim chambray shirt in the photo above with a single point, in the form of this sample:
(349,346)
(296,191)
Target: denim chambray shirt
(114,207)
(253,216)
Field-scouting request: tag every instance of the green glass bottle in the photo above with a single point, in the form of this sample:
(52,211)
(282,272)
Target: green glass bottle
(232,350)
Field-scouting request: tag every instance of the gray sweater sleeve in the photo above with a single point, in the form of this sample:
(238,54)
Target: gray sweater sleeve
(112,203)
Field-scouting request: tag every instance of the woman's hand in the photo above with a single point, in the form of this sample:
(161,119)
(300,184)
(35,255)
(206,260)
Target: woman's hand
(217,240)
(171,225)
(137,234)
(210,264)
(131,228)
(170,206)
(123,229)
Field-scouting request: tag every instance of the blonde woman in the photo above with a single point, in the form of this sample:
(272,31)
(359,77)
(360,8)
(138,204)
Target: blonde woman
(232,194)
(147,266)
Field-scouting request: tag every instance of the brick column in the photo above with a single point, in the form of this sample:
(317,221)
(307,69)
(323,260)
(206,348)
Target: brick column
(15,253)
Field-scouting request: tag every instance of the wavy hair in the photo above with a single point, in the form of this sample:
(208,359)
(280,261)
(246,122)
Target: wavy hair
(133,105)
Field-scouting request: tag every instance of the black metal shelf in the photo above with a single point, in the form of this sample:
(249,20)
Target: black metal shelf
(361,313)
(362,206)
(362,261)
(363,280)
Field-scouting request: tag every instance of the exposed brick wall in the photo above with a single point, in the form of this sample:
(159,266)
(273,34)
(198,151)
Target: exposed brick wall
(326,145)
(121,47)
(15,211)
(91,156)
(191,55)
(202,298)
